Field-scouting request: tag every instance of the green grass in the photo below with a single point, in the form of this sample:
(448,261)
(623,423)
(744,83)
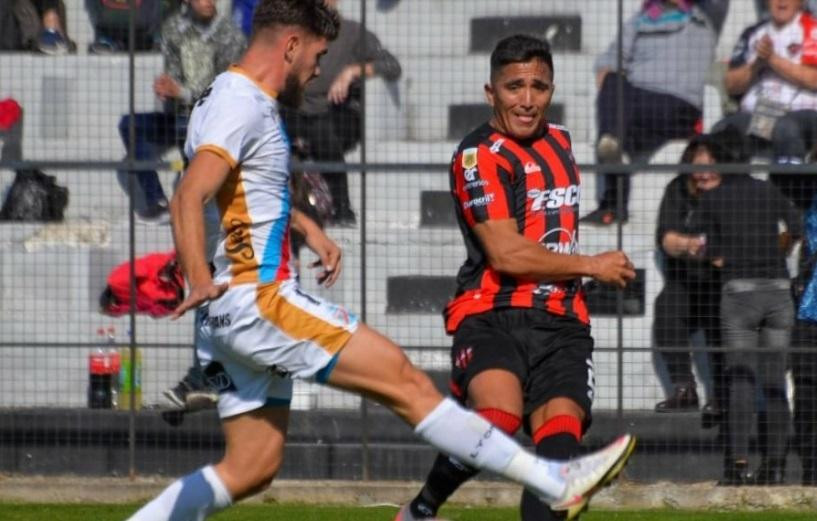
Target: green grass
(255,512)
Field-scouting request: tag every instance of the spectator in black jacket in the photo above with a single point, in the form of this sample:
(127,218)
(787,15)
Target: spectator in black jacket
(328,121)
(688,301)
(741,220)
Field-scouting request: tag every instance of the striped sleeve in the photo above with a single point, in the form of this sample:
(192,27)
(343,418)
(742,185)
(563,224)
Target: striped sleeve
(482,185)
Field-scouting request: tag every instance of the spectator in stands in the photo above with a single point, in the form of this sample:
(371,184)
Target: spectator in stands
(37,25)
(804,358)
(328,120)
(110,19)
(688,301)
(774,70)
(668,47)
(197,44)
(741,218)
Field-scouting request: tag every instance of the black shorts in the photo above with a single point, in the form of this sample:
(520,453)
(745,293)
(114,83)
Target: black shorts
(551,355)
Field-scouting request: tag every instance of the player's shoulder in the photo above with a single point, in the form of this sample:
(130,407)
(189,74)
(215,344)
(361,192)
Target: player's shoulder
(559,129)
(476,137)
(753,29)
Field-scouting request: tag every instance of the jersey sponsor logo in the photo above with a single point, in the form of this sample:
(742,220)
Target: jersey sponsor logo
(470,174)
(469,158)
(474,184)
(794,49)
(532,168)
(497,146)
(484,200)
(553,198)
(560,240)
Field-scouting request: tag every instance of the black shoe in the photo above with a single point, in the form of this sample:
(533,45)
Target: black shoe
(809,478)
(604,216)
(345,218)
(711,415)
(685,398)
(189,398)
(155,214)
(769,473)
(735,474)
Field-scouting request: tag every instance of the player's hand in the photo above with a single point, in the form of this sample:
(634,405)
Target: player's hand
(198,295)
(166,87)
(339,90)
(612,267)
(329,257)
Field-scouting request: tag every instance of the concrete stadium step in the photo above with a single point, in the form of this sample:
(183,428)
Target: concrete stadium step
(431,27)
(432,84)
(563,32)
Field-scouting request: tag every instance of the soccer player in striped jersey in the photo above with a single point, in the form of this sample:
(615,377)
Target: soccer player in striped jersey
(522,350)
(259,330)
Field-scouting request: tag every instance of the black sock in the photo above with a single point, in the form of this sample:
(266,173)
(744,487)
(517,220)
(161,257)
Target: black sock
(559,446)
(446,476)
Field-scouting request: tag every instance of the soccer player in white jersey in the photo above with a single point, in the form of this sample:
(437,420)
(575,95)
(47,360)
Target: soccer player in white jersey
(260,330)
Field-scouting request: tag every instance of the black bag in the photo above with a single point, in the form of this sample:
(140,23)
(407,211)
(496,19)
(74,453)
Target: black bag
(34,196)
(9,29)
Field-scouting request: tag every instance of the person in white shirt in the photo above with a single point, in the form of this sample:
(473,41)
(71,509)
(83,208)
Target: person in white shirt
(773,69)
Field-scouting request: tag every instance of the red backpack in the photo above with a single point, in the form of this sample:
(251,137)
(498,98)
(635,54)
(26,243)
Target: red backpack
(159,286)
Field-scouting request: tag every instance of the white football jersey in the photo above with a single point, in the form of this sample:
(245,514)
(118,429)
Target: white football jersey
(247,223)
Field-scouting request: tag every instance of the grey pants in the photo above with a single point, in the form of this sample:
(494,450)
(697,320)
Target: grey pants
(757,316)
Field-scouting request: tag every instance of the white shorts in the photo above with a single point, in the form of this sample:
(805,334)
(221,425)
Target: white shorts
(255,339)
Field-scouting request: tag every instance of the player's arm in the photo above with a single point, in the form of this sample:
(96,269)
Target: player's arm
(329,254)
(511,253)
(205,175)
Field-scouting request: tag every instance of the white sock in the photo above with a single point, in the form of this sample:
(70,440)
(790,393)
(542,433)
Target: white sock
(473,440)
(191,498)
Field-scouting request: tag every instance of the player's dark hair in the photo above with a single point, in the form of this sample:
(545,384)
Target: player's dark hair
(313,15)
(519,48)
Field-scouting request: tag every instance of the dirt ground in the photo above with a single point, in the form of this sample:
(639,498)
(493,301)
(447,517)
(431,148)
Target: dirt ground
(622,495)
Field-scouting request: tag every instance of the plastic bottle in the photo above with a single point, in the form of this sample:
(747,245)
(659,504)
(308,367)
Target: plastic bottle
(99,377)
(115,366)
(125,389)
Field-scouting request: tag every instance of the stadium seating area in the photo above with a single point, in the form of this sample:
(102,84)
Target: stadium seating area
(51,276)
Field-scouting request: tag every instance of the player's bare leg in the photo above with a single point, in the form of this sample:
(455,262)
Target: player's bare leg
(254,450)
(374,366)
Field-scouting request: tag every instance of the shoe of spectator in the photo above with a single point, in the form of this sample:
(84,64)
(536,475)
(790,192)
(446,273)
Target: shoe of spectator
(345,219)
(608,150)
(735,474)
(155,214)
(809,477)
(711,415)
(587,475)
(186,397)
(52,42)
(103,45)
(769,473)
(685,398)
(604,216)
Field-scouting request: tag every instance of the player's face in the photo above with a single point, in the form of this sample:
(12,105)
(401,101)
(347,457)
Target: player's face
(304,69)
(784,11)
(520,95)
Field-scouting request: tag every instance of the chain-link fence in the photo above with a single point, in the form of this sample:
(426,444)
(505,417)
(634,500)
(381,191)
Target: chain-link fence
(91,112)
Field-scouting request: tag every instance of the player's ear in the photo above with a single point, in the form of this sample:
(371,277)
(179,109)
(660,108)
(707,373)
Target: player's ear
(489,94)
(292,47)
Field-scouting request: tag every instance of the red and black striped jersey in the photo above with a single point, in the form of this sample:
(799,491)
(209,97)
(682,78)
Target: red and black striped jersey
(536,183)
